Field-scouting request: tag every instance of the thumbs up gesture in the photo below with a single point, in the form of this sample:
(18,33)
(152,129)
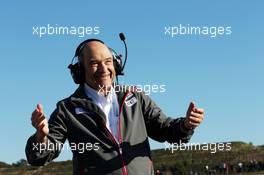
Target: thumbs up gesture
(194,116)
(39,122)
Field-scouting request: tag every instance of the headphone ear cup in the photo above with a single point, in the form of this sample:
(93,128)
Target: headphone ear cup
(81,73)
(77,73)
(118,65)
(117,60)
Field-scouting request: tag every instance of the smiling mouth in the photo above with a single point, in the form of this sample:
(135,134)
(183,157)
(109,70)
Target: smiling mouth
(102,77)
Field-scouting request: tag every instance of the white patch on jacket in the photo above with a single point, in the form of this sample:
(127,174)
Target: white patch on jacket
(80,111)
(130,100)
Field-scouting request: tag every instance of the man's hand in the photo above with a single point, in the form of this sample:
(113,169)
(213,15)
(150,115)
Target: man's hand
(194,116)
(39,122)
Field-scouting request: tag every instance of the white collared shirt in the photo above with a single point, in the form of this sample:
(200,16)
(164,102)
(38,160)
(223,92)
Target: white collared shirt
(109,106)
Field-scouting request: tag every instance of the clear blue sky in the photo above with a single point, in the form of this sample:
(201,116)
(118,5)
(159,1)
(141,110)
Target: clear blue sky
(224,74)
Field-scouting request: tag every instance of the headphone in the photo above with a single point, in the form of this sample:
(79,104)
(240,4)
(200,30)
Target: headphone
(77,69)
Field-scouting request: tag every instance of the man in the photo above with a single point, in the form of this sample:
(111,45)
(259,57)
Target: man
(115,124)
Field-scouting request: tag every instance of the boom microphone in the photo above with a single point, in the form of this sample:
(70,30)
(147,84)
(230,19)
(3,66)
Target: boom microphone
(122,37)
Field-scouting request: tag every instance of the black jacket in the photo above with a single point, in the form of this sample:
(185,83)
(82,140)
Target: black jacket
(139,118)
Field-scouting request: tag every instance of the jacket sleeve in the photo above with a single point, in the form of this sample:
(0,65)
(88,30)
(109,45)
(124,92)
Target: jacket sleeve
(160,127)
(40,154)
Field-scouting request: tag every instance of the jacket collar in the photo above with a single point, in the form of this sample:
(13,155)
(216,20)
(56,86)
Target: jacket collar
(80,99)
(80,93)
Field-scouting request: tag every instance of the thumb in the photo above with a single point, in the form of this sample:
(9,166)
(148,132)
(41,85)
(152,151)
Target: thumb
(40,107)
(191,107)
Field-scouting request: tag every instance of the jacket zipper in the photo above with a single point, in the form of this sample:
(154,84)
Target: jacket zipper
(119,135)
(119,148)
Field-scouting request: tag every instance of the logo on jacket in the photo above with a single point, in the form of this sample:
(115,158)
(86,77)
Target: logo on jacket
(130,99)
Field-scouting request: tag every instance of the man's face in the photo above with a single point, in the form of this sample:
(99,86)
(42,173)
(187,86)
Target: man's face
(98,65)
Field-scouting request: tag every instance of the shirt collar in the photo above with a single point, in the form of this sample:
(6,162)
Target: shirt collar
(96,96)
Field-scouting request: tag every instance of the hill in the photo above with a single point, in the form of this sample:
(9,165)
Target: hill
(208,158)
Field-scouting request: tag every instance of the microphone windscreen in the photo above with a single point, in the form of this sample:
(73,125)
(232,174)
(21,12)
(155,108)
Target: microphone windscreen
(122,36)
